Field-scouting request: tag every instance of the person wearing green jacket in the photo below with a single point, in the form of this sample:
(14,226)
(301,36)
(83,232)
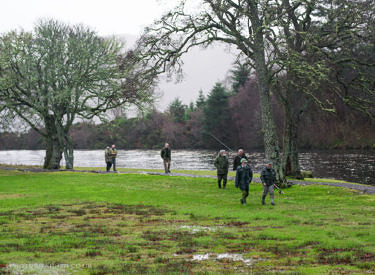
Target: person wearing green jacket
(244,176)
(268,178)
(113,155)
(108,159)
(222,165)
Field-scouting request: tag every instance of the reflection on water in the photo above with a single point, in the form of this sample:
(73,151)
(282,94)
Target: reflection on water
(352,166)
(355,166)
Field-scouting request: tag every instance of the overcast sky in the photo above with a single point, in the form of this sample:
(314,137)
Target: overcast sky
(106,17)
(122,17)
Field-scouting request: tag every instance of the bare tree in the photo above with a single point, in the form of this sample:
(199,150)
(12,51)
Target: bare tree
(313,40)
(291,44)
(240,23)
(58,73)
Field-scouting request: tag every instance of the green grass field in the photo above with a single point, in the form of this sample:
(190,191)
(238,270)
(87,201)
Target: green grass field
(87,223)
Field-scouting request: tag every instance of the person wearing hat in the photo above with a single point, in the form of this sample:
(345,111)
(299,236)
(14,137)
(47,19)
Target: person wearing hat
(108,159)
(222,165)
(244,175)
(268,177)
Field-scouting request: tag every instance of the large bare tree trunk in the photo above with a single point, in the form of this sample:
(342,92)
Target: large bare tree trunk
(53,155)
(290,160)
(69,159)
(294,103)
(68,154)
(54,149)
(271,143)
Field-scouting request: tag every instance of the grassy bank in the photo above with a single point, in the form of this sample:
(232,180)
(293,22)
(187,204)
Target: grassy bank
(124,223)
(189,172)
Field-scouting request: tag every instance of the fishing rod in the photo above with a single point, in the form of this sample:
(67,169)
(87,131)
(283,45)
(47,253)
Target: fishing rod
(218,140)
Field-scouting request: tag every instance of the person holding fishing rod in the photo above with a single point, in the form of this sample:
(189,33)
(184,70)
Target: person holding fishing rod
(268,177)
(237,159)
(240,153)
(222,165)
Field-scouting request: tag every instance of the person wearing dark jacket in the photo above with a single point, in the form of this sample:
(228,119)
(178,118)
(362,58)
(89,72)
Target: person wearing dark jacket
(166,156)
(268,177)
(108,159)
(244,176)
(222,165)
(237,159)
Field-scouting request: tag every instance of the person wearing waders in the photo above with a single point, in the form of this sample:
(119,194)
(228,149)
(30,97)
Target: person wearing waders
(244,175)
(166,156)
(268,177)
(222,165)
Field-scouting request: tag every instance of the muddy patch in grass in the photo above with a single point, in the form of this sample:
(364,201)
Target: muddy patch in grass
(236,224)
(116,238)
(346,256)
(11,196)
(39,268)
(139,210)
(87,219)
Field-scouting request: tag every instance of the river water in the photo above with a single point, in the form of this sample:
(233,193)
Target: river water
(354,166)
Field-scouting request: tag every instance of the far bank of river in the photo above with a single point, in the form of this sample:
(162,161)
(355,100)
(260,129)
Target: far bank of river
(354,166)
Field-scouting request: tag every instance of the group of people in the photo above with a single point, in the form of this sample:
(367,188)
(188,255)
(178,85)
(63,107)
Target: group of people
(244,175)
(110,155)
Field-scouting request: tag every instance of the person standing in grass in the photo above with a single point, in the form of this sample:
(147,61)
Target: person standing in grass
(237,159)
(107,157)
(222,165)
(113,155)
(268,177)
(166,156)
(244,176)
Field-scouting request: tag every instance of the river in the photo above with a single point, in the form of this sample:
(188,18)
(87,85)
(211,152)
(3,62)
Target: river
(354,166)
